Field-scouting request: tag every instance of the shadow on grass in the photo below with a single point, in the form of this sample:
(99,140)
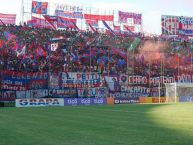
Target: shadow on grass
(94,125)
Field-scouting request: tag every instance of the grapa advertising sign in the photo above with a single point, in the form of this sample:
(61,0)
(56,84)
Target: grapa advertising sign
(44,102)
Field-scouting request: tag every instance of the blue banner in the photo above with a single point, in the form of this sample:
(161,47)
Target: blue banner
(186,99)
(21,81)
(84,101)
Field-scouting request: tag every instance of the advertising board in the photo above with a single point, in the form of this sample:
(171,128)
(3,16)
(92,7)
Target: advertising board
(44,102)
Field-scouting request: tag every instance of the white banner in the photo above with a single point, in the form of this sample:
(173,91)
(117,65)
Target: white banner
(39,102)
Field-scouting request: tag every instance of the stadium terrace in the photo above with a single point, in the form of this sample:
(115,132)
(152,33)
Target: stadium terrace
(92,56)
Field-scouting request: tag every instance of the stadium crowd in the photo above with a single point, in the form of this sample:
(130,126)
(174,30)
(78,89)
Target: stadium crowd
(30,49)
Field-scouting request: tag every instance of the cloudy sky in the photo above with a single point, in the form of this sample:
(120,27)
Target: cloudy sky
(150,9)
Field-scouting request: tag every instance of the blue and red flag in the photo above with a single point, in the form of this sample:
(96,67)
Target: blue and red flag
(52,20)
(66,22)
(39,23)
(39,7)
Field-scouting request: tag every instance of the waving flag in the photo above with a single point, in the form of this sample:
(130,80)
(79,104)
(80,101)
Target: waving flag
(107,26)
(40,51)
(1,43)
(22,51)
(39,23)
(52,20)
(129,28)
(124,17)
(92,24)
(7,19)
(134,44)
(66,22)
(39,7)
(116,28)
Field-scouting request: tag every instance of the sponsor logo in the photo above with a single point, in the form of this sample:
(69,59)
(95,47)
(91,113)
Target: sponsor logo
(126,100)
(38,102)
(72,101)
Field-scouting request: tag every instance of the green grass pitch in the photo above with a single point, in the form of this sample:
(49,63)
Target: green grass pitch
(168,124)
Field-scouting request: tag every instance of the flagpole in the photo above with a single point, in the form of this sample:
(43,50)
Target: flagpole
(2,22)
(127,61)
(161,80)
(90,57)
(22,12)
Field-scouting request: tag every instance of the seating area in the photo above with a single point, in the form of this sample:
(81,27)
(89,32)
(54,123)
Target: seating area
(28,49)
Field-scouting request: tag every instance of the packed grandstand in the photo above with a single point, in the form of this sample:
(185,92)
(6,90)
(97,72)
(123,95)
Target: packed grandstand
(38,62)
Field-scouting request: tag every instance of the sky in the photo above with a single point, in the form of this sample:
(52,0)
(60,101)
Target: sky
(151,9)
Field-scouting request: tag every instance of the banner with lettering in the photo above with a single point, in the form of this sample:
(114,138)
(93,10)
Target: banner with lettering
(7,96)
(63,93)
(81,80)
(68,14)
(177,25)
(127,17)
(41,93)
(21,81)
(98,92)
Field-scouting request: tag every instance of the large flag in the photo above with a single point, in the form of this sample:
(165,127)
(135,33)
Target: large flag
(52,20)
(9,36)
(116,28)
(108,27)
(129,28)
(39,7)
(93,24)
(66,23)
(39,23)
(7,19)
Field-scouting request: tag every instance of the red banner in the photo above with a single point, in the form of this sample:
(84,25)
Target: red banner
(99,17)
(92,22)
(7,18)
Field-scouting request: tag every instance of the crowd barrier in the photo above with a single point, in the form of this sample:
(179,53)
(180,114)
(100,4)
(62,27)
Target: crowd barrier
(45,102)
(80,88)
